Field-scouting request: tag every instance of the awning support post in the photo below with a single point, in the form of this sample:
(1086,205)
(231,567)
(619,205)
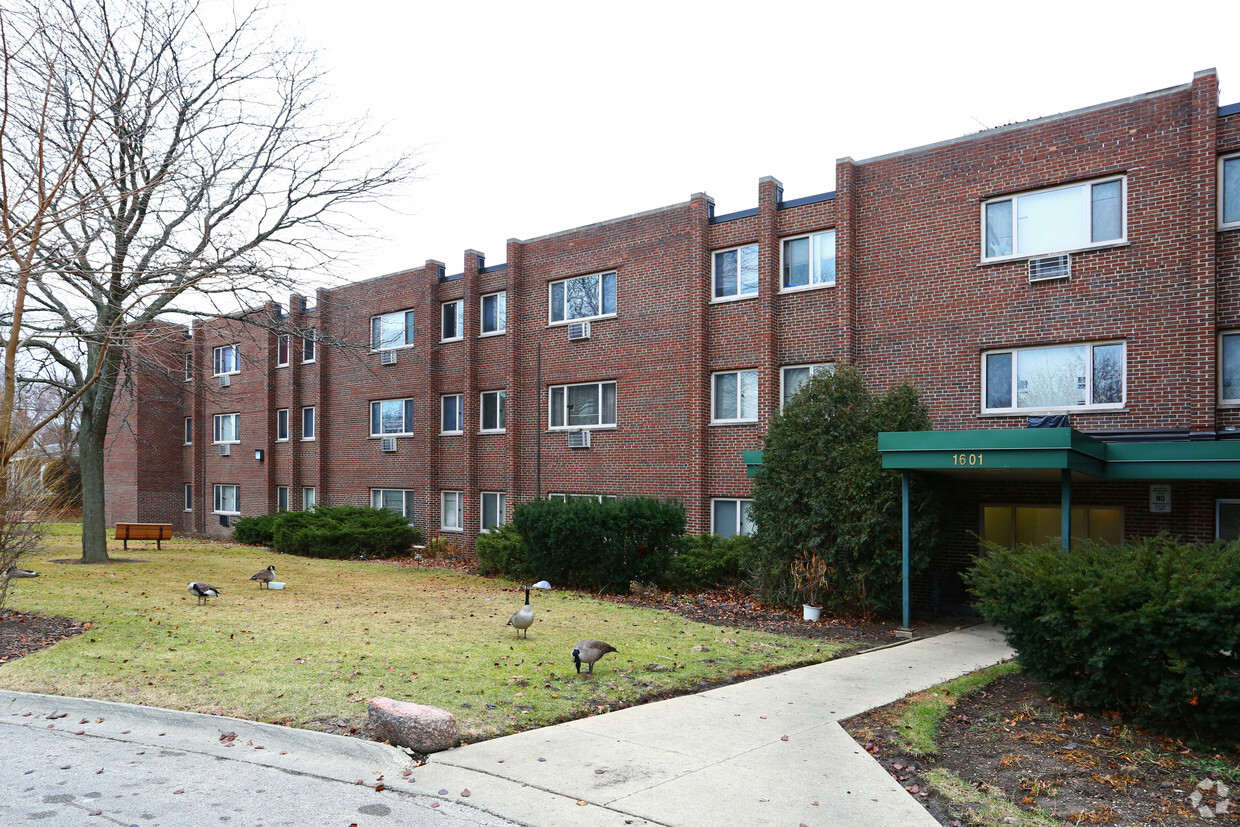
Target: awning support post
(1065,509)
(906,521)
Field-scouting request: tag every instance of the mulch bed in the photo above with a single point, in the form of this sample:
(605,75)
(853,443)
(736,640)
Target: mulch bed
(22,633)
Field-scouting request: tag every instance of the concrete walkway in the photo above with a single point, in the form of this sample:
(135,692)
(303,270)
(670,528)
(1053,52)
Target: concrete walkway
(764,751)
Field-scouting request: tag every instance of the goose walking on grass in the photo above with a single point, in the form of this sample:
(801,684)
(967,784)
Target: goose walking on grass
(13,573)
(524,618)
(589,652)
(202,591)
(265,576)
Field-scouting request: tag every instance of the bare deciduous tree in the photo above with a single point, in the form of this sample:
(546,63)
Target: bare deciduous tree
(196,170)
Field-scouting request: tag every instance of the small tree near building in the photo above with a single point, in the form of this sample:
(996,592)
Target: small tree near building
(822,492)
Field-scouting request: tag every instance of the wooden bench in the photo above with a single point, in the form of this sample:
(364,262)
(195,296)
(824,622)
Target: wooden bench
(143,531)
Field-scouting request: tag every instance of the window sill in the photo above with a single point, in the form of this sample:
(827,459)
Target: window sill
(456,339)
(1095,409)
(562,429)
(1110,245)
(724,422)
(187,511)
(805,288)
(730,299)
(281,365)
(308,361)
(226,513)
(451,433)
(393,436)
(584,319)
(390,349)
(307,439)
(492,334)
(1234,225)
(237,442)
(285,439)
(500,431)
(452,530)
(218,375)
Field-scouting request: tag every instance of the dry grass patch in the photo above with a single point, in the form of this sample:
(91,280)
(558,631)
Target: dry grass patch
(343,632)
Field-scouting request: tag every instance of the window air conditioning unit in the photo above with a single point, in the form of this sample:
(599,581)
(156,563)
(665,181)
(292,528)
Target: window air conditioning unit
(578,330)
(388,357)
(225,381)
(579,439)
(225,449)
(387,444)
(1049,268)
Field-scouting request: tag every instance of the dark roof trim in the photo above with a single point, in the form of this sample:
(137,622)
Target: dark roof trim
(732,216)
(809,199)
(453,277)
(1230,109)
(494,268)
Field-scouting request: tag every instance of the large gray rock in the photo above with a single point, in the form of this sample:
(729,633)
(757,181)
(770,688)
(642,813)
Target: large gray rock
(421,728)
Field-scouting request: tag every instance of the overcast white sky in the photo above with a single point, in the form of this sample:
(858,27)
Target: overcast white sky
(535,117)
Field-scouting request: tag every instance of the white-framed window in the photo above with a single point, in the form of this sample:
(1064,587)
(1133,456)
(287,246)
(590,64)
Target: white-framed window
(493,516)
(560,497)
(730,517)
(453,321)
(227,499)
(282,350)
(808,261)
(282,425)
(1013,525)
(391,330)
(794,377)
(397,500)
(1055,220)
(1229,191)
(1229,368)
(582,297)
(494,314)
(734,396)
(281,498)
(227,359)
(308,350)
(735,272)
(596,497)
(307,423)
(493,414)
(189,367)
(452,414)
(227,428)
(1090,376)
(1227,520)
(189,496)
(309,498)
(451,516)
(391,417)
(188,435)
(590,405)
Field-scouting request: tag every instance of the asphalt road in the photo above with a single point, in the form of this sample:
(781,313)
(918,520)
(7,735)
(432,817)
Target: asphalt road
(54,777)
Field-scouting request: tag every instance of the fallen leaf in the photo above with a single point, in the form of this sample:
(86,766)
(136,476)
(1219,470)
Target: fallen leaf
(178,792)
(464,793)
(784,738)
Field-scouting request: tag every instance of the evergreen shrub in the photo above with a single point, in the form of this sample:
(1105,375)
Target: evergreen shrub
(341,532)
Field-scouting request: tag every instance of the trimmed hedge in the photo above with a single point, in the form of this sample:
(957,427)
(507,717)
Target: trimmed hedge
(258,530)
(706,561)
(500,551)
(599,545)
(1151,628)
(342,532)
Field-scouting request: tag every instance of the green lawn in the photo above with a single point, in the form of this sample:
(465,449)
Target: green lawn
(344,632)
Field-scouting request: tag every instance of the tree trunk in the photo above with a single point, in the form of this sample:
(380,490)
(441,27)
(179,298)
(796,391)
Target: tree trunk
(91,436)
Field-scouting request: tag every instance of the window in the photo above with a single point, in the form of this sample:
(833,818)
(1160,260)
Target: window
(396,500)
(1054,378)
(281,498)
(282,348)
(189,430)
(494,313)
(493,411)
(731,517)
(227,428)
(452,420)
(583,297)
(227,359)
(189,496)
(596,497)
(307,346)
(792,379)
(308,498)
(809,261)
(492,510)
(736,272)
(735,396)
(1229,368)
(391,330)
(189,367)
(282,425)
(1229,191)
(227,499)
(391,417)
(1054,220)
(1012,525)
(450,518)
(583,406)
(453,321)
(1227,520)
(307,423)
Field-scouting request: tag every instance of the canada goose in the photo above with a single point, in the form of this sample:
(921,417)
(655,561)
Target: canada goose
(202,591)
(589,651)
(265,576)
(524,618)
(13,573)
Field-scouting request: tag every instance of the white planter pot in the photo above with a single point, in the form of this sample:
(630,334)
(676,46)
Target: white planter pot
(812,612)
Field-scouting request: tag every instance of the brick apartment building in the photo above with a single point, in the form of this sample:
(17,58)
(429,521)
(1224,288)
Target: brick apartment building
(1084,263)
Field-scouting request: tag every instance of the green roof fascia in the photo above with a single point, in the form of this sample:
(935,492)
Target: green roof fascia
(1011,448)
(1194,460)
